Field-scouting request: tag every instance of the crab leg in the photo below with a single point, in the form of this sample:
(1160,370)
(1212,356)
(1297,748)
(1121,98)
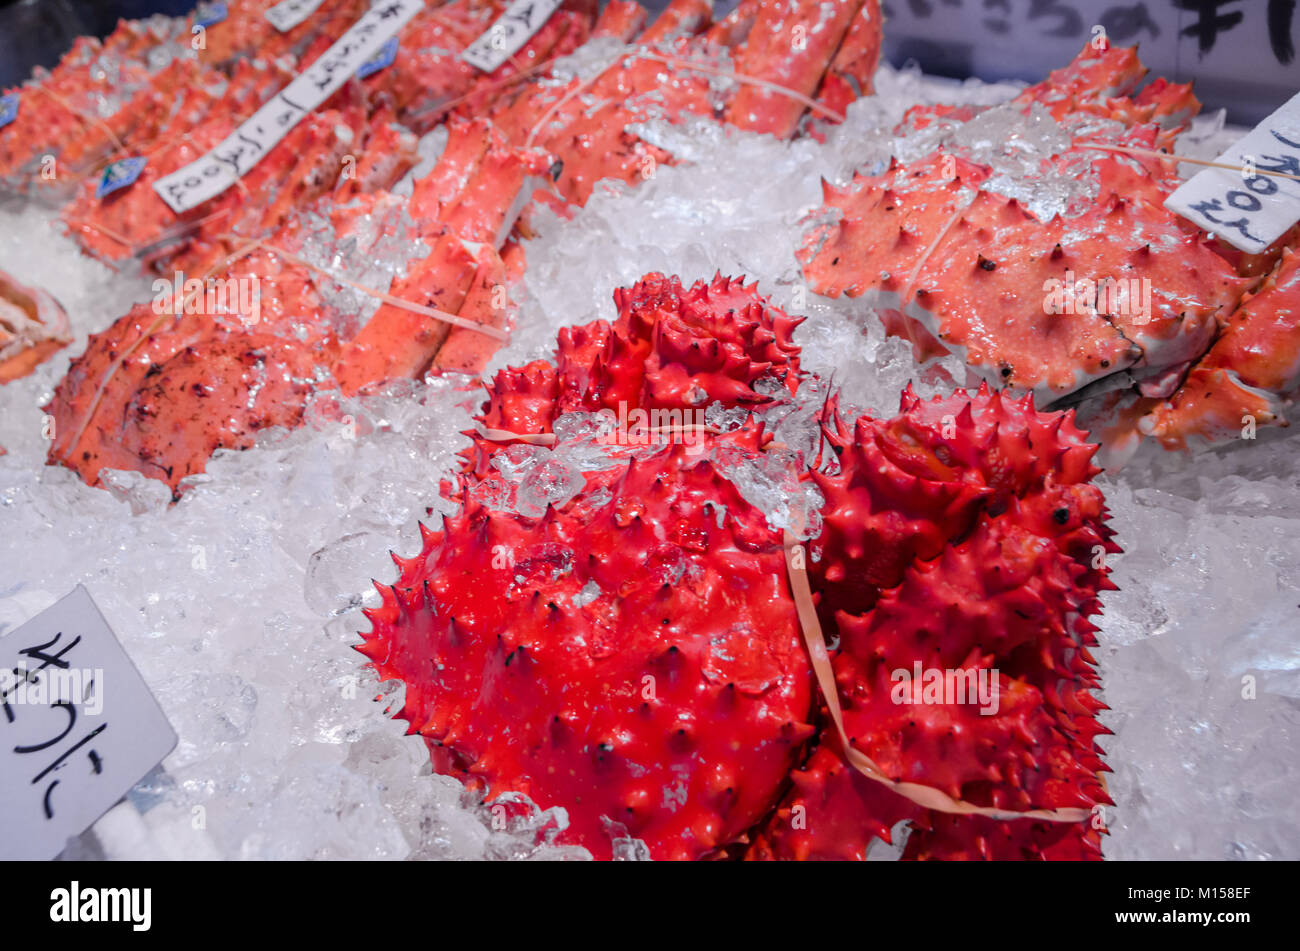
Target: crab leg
(852,72)
(397,342)
(468,351)
(732,29)
(790,44)
(1247,376)
(32,327)
(621,18)
(679,18)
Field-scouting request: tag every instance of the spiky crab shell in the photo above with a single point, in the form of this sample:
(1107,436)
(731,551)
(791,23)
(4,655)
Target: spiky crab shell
(634,655)
(162,400)
(1003,610)
(948,838)
(832,813)
(907,486)
(637,661)
(1089,81)
(1048,306)
(1000,578)
(670,348)
(194,370)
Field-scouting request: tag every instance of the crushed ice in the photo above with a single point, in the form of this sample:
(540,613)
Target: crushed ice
(240,604)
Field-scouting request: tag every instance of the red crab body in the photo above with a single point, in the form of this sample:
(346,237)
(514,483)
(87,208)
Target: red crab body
(672,732)
(636,661)
(138,398)
(948,542)
(1047,306)
(1158,328)
(952,546)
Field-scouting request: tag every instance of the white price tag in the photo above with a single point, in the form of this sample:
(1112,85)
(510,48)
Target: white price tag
(509,33)
(1249,210)
(209,176)
(285,16)
(78,727)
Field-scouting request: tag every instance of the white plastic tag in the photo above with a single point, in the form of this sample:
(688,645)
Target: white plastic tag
(509,33)
(1247,209)
(78,727)
(209,176)
(285,16)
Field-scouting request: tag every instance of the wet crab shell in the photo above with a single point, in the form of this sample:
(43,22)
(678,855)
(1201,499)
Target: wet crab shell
(997,582)
(33,326)
(637,661)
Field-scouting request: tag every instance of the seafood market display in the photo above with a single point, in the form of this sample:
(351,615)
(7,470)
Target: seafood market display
(955,252)
(125,406)
(907,502)
(645,649)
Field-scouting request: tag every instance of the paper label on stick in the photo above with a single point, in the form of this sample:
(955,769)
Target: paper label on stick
(285,16)
(120,174)
(246,146)
(504,38)
(381,60)
(78,727)
(210,14)
(8,109)
(1247,209)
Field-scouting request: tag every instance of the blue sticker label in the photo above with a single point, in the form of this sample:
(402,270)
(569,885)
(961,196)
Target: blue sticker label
(210,14)
(8,109)
(119,175)
(381,60)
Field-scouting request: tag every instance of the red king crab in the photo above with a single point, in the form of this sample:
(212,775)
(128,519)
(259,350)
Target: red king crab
(209,365)
(74,115)
(1113,302)
(122,404)
(612,621)
(682,66)
(32,327)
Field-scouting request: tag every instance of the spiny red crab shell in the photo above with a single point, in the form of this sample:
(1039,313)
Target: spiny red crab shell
(1164,330)
(634,654)
(637,662)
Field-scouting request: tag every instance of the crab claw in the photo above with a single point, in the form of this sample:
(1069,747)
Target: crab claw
(32,327)
(1248,375)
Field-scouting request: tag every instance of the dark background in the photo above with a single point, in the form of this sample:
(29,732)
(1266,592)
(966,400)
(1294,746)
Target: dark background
(38,32)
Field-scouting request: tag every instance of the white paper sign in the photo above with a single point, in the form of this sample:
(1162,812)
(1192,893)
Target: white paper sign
(78,727)
(509,33)
(209,176)
(1249,211)
(285,16)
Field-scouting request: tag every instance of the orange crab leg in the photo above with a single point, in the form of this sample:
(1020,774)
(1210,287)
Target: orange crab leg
(475,189)
(621,18)
(732,29)
(680,18)
(1245,378)
(852,72)
(468,351)
(790,45)
(397,342)
(32,328)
